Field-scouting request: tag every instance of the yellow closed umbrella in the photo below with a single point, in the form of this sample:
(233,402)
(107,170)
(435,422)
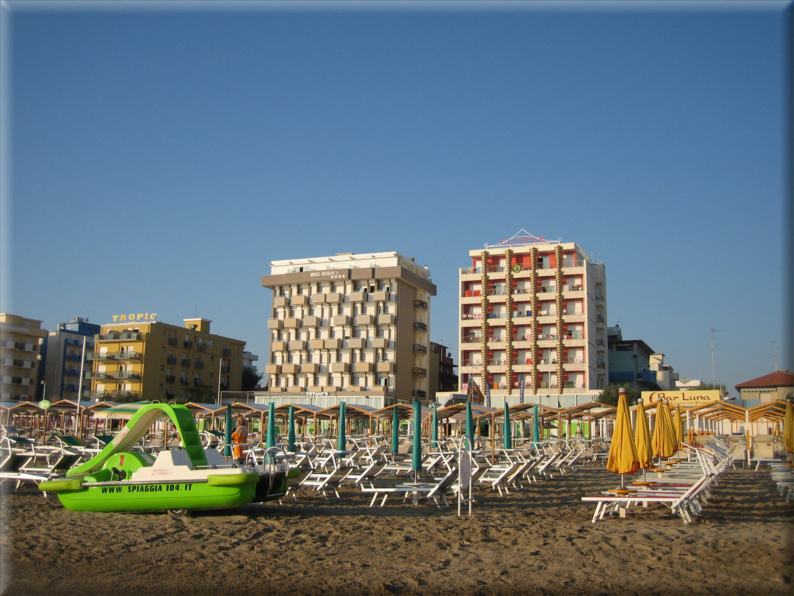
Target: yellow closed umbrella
(643,438)
(678,424)
(662,443)
(622,452)
(788,427)
(670,427)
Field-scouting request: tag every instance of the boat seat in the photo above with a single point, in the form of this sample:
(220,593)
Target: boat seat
(169,458)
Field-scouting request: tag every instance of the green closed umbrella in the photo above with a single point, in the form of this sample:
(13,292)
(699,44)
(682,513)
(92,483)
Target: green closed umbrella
(395,432)
(416,459)
(227,433)
(535,425)
(469,425)
(341,440)
(434,429)
(507,439)
(271,426)
(291,436)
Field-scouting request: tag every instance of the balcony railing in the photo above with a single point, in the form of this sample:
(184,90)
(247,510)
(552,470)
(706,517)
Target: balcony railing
(201,346)
(171,359)
(198,382)
(131,355)
(172,341)
(170,379)
(198,364)
(185,362)
(187,343)
(418,371)
(227,352)
(419,326)
(420,349)
(419,393)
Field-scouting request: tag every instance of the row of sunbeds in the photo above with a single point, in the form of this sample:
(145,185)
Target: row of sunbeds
(683,483)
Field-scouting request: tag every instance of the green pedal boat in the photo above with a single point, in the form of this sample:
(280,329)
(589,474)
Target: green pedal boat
(179,480)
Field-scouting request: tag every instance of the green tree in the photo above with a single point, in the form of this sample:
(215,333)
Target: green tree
(204,394)
(251,378)
(609,396)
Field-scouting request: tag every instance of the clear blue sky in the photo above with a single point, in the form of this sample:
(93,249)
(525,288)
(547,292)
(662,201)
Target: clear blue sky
(160,160)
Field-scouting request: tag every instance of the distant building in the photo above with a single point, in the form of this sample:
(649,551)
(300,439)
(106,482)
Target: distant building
(533,308)
(249,359)
(630,361)
(351,327)
(666,378)
(441,370)
(20,355)
(62,356)
(772,387)
(151,360)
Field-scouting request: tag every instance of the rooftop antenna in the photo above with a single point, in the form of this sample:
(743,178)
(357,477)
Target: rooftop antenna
(713,376)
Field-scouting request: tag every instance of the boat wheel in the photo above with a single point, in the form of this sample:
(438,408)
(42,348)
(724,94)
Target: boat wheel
(178,512)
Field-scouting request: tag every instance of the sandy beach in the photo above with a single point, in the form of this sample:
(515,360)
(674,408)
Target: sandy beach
(536,541)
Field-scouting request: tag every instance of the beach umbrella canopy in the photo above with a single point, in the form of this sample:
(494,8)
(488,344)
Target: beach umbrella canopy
(469,425)
(227,432)
(291,435)
(788,428)
(416,456)
(434,429)
(622,452)
(395,432)
(341,439)
(662,442)
(271,426)
(507,438)
(678,425)
(643,438)
(124,411)
(670,426)
(535,424)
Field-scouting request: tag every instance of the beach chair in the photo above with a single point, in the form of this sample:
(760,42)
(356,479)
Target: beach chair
(367,474)
(431,490)
(322,481)
(12,470)
(496,477)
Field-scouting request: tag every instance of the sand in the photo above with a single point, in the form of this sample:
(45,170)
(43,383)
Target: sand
(536,541)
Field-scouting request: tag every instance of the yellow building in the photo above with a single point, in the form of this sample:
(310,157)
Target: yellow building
(20,351)
(140,358)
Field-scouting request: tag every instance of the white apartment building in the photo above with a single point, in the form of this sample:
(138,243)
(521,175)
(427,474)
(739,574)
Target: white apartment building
(347,326)
(537,309)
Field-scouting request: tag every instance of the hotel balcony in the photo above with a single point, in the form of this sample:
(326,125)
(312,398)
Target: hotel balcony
(334,298)
(198,382)
(273,369)
(318,298)
(380,342)
(117,394)
(170,379)
(184,381)
(198,364)
(312,321)
(172,341)
(133,376)
(362,367)
(358,297)
(97,375)
(341,320)
(297,345)
(383,296)
(185,362)
(279,301)
(573,317)
(333,344)
(316,344)
(386,319)
(131,355)
(226,351)
(102,357)
(365,320)
(339,367)
(420,349)
(292,323)
(278,346)
(384,367)
(201,346)
(357,343)
(420,304)
(290,369)
(419,394)
(418,371)
(419,326)
(131,336)
(300,300)
(310,367)
(275,324)
(171,360)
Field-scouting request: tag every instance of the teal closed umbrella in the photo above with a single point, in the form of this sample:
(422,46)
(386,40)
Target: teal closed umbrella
(434,430)
(508,439)
(227,433)
(469,425)
(271,426)
(341,439)
(291,436)
(535,424)
(395,432)
(416,459)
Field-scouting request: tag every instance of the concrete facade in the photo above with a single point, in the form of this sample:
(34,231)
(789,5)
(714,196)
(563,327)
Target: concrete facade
(350,324)
(20,356)
(63,358)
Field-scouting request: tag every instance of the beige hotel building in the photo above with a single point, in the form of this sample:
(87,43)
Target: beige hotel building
(535,308)
(349,327)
